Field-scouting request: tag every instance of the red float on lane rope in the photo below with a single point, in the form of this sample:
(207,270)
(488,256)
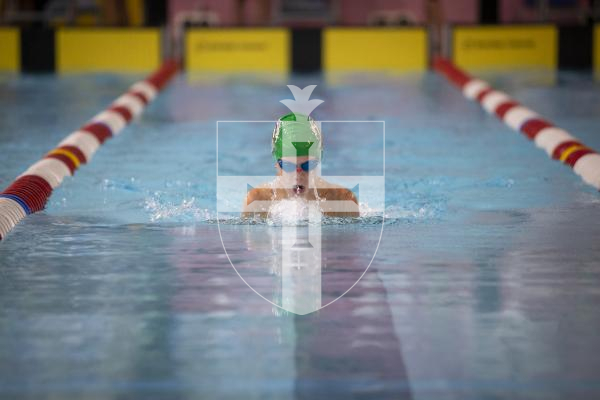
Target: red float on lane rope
(503,108)
(100,130)
(76,152)
(124,112)
(562,147)
(532,127)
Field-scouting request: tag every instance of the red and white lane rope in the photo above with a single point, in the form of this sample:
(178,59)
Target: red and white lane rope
(31,190)
(558,143)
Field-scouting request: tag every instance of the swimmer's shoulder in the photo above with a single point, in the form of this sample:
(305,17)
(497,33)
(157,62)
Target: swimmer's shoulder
(259,193)
(252,206)
(265,192)
(340,193)
(336,192)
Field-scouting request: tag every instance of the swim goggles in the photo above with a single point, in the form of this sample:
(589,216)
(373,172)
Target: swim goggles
(291,167)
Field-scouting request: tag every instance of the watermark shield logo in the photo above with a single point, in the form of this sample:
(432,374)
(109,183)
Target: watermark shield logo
(303,246)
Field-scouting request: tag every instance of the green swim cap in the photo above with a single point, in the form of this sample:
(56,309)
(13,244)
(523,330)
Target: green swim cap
(296,135)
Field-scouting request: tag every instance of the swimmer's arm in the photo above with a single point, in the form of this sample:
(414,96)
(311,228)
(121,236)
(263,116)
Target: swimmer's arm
(352,210)
(251,207)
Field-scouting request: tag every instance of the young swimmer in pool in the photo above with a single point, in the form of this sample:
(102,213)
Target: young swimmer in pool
(297,150)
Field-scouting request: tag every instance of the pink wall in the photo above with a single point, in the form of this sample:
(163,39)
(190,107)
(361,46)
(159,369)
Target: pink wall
(461,11)
(351,12)
(224,8)
(514,11)
(356,12)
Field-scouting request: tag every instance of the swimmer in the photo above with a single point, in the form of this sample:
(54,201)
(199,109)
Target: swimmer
(297,150)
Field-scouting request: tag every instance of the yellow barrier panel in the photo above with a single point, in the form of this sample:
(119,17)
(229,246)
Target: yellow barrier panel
(374,49)
(107,50)
(500,47)
(10,50)
(237,50)
(597,51)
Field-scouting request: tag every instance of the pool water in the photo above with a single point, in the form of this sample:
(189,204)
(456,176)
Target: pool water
(485,283)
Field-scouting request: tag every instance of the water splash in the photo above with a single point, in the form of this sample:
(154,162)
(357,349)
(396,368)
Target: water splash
(291,212)
(418,201)
(186,211)
(294,212)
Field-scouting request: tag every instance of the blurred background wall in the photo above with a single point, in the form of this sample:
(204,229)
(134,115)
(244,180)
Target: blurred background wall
(37,32)
(291,12)
(346,12)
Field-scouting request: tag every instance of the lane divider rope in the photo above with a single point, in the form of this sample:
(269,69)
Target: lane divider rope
(558,143)
(30,191)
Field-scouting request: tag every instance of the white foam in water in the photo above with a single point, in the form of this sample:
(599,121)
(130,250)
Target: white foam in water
(289,212)
(292,212)
(185,211)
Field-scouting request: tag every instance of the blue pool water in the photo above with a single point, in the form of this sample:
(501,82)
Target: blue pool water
(485,285)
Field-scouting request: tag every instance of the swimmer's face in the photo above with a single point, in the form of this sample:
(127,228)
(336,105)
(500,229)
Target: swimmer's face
(297,180)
